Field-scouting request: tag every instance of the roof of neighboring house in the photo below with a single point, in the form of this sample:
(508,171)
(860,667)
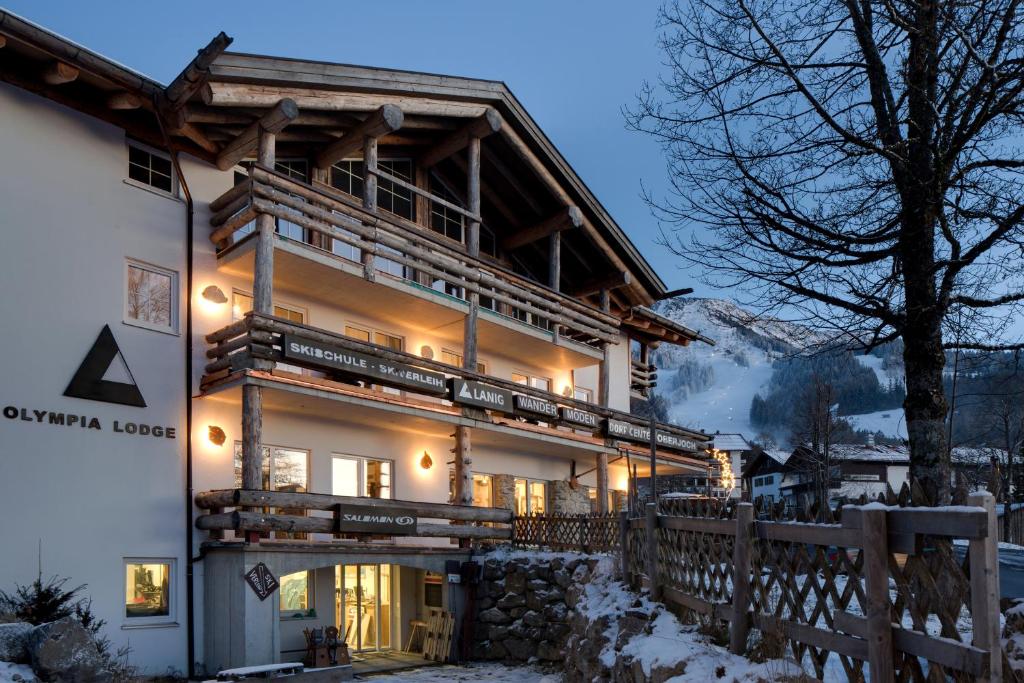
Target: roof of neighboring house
(731,442)
(865,453)
(773,460)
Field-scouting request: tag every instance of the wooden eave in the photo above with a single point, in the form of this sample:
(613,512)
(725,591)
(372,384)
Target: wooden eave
(649,327)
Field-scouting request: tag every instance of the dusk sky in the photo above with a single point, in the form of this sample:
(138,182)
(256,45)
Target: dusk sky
(573,66)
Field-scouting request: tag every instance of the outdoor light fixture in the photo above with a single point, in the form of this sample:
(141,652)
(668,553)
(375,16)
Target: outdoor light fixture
(427,352)
(217,436)
(426,462)
(215,294)
(567,391)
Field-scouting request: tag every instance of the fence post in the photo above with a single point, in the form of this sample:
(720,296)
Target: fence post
(585,534)
(652,550)
(624,546)
(739,627)
(984,559)
(876,580)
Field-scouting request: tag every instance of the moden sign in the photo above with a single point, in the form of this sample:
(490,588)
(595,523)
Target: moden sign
(362,366)
(363,519)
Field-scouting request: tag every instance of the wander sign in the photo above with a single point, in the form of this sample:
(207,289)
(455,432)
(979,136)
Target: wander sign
(363,366)
(480,395)
(362,519)
(535,407)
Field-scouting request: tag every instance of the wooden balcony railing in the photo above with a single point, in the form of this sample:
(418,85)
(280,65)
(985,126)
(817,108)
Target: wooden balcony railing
(351,516)
(643,377)
(260,337)
(417,253)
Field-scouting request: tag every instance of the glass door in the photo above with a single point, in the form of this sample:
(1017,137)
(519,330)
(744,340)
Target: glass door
(363,606)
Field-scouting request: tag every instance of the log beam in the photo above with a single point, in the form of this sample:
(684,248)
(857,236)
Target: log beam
(195,75)
(3,41)
(607,283)
(486,124)
(564,219)
(59,73)
(275,120)
(124,100)
(385,120)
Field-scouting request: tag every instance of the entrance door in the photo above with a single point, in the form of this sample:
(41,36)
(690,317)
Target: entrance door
(363,605)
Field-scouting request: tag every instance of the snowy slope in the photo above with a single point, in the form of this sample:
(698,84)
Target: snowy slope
(711,387)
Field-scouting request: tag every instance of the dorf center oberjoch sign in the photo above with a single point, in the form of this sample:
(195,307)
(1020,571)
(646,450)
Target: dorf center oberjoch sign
(363,519)
(470,393)
(627,431)
(362,366)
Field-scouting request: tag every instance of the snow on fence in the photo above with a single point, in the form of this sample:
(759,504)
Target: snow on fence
(580,533)
(881,592)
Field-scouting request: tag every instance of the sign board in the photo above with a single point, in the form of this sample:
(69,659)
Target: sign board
(535,406)
(262,581)
(363,366)
(578,418)
(480,395)
(619,429)
(363,519)
(628,431)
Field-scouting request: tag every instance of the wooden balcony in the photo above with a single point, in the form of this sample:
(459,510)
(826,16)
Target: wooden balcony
(643,377)
(417,275)
(261,339)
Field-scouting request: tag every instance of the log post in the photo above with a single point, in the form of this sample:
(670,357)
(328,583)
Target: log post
(651,526)
(554,260)
(463,466)
(876,588)
(602,483)
(369,196)
(317,238)
(473,196)
(984,559)
(624,546)
(739,626)
(653,426)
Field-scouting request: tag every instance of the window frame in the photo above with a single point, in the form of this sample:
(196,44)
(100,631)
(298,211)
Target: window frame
(171,618)
(153,151)
(529,482)
(270,462)
(296,615)
(174,328)
(362,484)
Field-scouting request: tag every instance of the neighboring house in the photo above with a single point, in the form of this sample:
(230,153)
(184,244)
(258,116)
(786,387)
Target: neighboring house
(763,474)
(867,470)
(738,449)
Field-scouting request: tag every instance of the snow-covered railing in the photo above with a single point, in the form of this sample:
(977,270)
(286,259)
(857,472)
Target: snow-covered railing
(881,592)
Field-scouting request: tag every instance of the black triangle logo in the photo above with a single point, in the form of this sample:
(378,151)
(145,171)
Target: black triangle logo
(88,381)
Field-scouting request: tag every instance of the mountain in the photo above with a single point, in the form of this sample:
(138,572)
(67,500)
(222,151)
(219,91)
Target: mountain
(711,387)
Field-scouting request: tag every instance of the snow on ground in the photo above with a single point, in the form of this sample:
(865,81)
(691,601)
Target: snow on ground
(670,642)
(8,671)
(491,673)
(889,422)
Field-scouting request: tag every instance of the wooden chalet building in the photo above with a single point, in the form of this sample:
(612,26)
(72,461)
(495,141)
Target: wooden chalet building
(259,302)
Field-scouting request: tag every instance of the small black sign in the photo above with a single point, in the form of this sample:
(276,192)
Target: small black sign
(88,381)
(620,429)
(261,580)
(380,371)
(363,519)
(535,406)
(578,418)
(480,395)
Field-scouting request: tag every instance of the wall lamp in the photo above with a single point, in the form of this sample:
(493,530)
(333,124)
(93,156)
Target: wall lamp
(215,295)
(426,462)
(216,435)
(426,352)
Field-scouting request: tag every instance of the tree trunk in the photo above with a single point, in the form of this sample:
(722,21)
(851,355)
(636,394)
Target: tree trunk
(925,408)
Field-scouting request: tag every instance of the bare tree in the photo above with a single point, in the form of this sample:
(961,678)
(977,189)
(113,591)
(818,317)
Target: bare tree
(816,424)
(854,162)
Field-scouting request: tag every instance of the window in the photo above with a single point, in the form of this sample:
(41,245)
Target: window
(295,594)
(582,394)
(242,303)
(347,176)
(444,220)
(366,477)
(482,496)
(151,297)
(542,383)
(284,469)
(295,169)
(432,590)
(530,497)
(357,333)
(388,341)
(592,494)
(150,167)
(455,360)
(147,591)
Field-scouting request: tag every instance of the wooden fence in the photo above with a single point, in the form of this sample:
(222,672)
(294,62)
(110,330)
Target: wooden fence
(882,592)
(579,533)
(1016,530)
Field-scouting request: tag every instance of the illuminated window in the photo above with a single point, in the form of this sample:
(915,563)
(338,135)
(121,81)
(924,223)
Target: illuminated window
(151,297)
(356,476)
(482,496)
(150,167)
(455,360)
(542,383)
(241,304)
(530,497)
(287,468)
(147,591)
(295,593)
(357,333)
(582,394)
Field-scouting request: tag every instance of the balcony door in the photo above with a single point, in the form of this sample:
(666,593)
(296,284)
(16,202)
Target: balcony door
(363,605)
